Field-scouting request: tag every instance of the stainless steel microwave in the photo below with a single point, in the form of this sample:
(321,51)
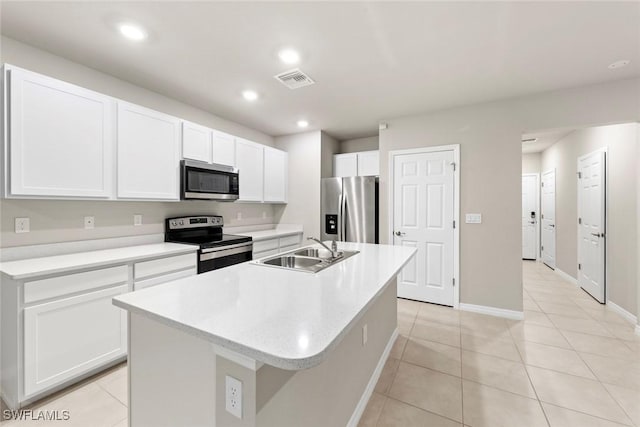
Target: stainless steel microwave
(206,181)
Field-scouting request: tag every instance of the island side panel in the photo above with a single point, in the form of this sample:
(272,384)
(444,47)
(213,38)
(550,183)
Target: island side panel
(328,394)
(172,376)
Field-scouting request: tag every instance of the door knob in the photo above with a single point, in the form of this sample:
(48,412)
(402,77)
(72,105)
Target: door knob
(399,233)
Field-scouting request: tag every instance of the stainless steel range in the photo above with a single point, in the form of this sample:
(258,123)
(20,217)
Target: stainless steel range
(217,250)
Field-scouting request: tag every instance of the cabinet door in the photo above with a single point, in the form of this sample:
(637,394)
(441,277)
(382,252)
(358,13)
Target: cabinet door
(68,337)
(249,161)
(275,175)
(148,154)
(224,148)
(196,142)
(345,165)
(61,138)
(369,163)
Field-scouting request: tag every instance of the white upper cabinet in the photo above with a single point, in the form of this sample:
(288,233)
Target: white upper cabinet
(275,175)
(224,148)
(61,138)
(364,163)
(249,161)
(368,163)
(345,164)
(148,154)
(196,142)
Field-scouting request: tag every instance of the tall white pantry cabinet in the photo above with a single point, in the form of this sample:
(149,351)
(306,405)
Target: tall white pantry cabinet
(62,141)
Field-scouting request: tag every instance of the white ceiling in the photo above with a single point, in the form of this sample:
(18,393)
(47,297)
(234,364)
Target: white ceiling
(544,140)
(371,60)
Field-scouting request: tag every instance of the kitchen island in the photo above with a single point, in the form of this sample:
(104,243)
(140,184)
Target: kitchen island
(307,348)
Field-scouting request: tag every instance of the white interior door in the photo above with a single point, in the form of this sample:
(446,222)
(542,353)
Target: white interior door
(423,203)
(549,218)
(591,224)
(529,216)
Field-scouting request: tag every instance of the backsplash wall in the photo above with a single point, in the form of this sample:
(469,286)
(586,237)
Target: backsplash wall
(53,221)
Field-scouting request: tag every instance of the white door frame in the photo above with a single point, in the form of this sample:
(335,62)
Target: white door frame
(456,205)
(555,207)
(538,219)
(606,217)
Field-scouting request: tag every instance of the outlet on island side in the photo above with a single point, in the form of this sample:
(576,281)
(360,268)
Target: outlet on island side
(233,396)
(22,225)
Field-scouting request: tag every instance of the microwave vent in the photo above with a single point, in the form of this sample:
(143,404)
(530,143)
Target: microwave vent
(294,79)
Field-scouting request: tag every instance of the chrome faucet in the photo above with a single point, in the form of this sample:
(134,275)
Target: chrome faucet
(334,247)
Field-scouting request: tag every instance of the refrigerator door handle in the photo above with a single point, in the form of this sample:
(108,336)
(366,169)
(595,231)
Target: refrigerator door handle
(343,209)
(340,217)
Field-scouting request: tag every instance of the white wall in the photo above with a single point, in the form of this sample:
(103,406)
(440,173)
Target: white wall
(531,162)
(490,139)
(621,143)
(56,221)
(369,143)
(303,205)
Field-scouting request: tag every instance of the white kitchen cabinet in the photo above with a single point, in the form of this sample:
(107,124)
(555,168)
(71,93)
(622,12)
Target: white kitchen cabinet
(267,247)
(369,163)
(71,336)
(223,148)
(275,175)
(162,270)
(364,163)
(345,164)
(196,142)
(60,139)
(148,154)
(250,163)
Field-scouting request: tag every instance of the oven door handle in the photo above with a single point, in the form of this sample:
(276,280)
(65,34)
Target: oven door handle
(224,248)
(227,251)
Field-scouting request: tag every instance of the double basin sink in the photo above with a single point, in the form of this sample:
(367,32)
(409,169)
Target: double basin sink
(310,260)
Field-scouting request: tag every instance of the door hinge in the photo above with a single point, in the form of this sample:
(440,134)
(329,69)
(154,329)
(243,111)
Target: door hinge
(542,248)
(454,166)
(454,224)
(542,216)
(543,184)
(579,175)
(579,266)
(454,281)
(580,221)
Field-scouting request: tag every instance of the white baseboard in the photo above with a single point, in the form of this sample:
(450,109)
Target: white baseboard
(493,311)
(368,391)
(622,312)
(566,276)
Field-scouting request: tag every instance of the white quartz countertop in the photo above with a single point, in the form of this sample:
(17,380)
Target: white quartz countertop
(270,234)
(32,267)
(288,319)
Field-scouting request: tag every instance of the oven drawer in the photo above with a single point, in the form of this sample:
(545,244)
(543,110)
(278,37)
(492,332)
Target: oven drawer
(156,267)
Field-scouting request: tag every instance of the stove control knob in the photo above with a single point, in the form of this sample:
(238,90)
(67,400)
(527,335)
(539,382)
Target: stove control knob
(174,223)
(181,222)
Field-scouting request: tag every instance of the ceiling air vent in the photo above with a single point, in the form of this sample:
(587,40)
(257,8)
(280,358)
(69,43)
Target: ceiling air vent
(294,79)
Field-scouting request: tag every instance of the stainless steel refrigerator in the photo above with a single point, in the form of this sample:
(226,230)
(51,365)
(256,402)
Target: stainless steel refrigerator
(349,208)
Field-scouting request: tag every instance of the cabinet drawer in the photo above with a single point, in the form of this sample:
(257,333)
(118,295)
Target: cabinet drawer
(38,290)
(263,254)
(69,337)
(265,245)
(288,248)
(163,279)
(146,269)
(290,240)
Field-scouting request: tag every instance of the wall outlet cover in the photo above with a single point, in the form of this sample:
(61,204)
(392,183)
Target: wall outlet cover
(137,219)
(233,396)
(22,225)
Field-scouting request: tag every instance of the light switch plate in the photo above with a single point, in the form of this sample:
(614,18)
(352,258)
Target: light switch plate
(22,225)
(89,222)
(137,219)
(473,218)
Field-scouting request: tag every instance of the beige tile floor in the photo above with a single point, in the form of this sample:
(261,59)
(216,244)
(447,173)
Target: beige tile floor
(571,363)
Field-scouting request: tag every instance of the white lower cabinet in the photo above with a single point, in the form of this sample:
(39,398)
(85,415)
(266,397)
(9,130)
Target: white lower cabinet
(71,336)
(161,270)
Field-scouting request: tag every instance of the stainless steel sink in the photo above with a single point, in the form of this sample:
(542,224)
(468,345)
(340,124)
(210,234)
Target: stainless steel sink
(305,259)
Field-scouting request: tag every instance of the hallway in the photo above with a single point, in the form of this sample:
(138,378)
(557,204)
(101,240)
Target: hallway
(571,363)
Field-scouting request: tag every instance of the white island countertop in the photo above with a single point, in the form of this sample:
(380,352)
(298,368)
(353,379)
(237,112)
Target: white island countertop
(33,267)
(287,319)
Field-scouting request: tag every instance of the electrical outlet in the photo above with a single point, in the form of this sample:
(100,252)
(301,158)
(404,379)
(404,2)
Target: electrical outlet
(233,396)
(137,219)
(239,216)
(364,335)
(89,222)
(22,225)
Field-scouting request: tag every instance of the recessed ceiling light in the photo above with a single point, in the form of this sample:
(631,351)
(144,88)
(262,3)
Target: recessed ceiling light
(302,123)
(250,95)
(529,141)
(619,64)
(289,56)
(132,32)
